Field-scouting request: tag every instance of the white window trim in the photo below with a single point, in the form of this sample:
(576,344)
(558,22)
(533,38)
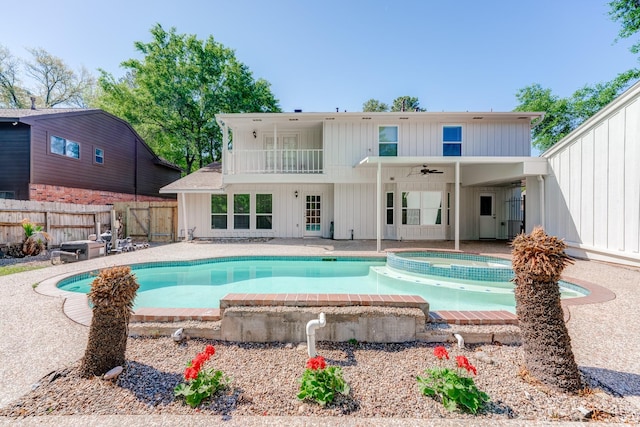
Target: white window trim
(390,208)
(382,142)
(461,125)
(96,155)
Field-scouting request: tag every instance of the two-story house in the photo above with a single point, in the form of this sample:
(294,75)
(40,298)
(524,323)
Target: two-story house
(83,156)
(399,176)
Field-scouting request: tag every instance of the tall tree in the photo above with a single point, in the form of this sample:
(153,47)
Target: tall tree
(171,95)
(406,103)
(53,83)
(57,84)
(565,114)
(12,94)
(374,106)
(627,13)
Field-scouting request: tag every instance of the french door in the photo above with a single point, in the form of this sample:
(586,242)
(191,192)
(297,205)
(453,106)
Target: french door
(312,215)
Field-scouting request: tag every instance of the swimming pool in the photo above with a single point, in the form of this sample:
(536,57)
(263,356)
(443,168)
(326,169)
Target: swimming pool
(201,284)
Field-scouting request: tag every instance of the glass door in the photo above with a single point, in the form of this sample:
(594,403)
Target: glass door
(312,215)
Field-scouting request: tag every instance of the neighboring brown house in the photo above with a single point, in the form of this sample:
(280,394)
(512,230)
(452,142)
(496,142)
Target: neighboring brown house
(84,156)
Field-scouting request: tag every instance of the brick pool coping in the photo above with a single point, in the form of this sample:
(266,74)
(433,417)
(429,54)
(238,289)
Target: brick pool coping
(76,305)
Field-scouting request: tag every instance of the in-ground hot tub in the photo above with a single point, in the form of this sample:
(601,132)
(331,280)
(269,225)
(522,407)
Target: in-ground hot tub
(452,265)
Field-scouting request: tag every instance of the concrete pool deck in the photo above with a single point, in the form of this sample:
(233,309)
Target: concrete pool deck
(37,337)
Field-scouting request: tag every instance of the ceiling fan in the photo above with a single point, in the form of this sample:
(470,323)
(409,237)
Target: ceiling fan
(424,170)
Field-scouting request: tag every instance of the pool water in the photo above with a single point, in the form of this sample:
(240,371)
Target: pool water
(202,285)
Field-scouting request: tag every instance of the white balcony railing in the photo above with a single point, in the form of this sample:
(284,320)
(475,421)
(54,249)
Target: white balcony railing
(274,161)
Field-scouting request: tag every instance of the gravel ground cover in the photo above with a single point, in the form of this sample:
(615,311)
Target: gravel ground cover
(265,383)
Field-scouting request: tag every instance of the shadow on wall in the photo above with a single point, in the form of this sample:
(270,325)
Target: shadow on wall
(558,216)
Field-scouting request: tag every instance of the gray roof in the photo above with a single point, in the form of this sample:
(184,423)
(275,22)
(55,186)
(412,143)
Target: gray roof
(18,113)
(207,179)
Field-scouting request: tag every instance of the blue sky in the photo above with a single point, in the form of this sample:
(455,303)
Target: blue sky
(318,55)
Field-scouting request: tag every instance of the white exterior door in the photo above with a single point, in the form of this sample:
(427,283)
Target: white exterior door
(312,215)
(487,215)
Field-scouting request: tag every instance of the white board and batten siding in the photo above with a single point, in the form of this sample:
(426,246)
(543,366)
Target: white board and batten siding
(347,143)
(288,211)
(593,191)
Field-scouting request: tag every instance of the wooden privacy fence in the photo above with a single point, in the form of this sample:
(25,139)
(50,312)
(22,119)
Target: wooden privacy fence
(148,221)
(142,221)
(62,221)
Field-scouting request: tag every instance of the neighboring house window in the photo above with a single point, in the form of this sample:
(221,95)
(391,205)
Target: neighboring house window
(219,211)
(65,147)
(264,211)
(99,156)
(241,211)
(390,208)
(452,140)
(387,140)
(7,195)
(422,208)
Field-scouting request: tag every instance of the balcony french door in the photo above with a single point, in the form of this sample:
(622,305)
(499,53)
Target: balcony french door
(312,216)
(284,158)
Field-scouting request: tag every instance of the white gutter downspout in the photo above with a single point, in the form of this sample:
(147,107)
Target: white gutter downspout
(312,325)
(378,207)
(457,203)
(542,207)
(184,216)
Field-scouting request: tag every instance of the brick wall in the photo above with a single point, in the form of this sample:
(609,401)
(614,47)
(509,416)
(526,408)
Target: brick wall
(55,193)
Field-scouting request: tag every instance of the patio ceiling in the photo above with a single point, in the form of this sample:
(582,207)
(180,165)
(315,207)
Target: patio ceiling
(473,170)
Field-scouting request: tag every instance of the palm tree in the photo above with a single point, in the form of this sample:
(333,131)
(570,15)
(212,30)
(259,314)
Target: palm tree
(538,261)
(112,294)
(35,238)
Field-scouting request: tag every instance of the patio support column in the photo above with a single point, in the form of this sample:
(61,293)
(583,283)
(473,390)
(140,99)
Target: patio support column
(542,207)
(225,148)
(457,206)
(184,216)
(378,206)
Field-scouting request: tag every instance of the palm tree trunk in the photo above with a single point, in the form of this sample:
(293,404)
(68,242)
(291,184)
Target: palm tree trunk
(538,261)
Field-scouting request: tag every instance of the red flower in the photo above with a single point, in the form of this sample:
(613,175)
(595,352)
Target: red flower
(441,352)
(316,363)
(463,362)
(199,361)
(209,350)
(190,373)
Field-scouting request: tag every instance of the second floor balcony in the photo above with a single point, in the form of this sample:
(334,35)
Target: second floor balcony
(288,161)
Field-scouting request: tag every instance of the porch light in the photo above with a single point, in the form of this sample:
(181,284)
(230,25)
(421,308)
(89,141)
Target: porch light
(255,134)
(295,193)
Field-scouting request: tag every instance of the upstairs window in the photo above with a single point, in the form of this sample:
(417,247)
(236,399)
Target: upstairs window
(99,156)
(452,140)
(64,147)
(388,141)
(219,211)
